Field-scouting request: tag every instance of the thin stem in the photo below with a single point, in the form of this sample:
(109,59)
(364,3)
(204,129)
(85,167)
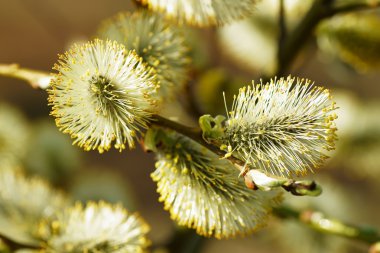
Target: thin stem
(319,222)
(192,132)
(36,78)
(14,246)
(301,34)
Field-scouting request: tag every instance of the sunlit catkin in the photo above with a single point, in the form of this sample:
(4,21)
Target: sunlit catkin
(203,12)
(96,227)
(160,45)
(205,193)
(282,127)
(102,94)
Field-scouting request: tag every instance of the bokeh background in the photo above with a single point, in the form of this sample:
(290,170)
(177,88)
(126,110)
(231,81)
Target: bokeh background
(33,32)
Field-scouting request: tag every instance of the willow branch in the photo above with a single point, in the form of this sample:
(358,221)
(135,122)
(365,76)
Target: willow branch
(193,133)
(37,79)
(298,188)
(319,222)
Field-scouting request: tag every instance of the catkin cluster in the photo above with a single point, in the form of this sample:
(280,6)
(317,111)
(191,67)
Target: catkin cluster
(109,91)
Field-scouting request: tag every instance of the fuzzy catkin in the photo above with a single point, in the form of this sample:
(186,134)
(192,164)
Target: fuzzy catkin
(96,227)
(160,45)
(282,127)
(205,193)
(102,94)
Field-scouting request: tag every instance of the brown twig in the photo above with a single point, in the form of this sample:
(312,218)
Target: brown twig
(193,133)
(37,79)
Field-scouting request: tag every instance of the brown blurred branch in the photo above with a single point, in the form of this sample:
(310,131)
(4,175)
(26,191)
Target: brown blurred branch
(37,79)
(321,9)
(295,41)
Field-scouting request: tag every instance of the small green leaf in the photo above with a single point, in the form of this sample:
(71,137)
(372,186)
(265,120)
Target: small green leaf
(212,128)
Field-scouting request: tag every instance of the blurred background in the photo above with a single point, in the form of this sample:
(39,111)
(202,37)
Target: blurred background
(33,32)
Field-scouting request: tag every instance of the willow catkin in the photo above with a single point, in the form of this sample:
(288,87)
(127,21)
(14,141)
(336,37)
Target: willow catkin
(102,94)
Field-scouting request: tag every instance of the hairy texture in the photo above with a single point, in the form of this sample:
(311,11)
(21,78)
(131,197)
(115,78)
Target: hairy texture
(205,193)
(281,127)
(203,12)
(160,45)
(96,227)
(102,94)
